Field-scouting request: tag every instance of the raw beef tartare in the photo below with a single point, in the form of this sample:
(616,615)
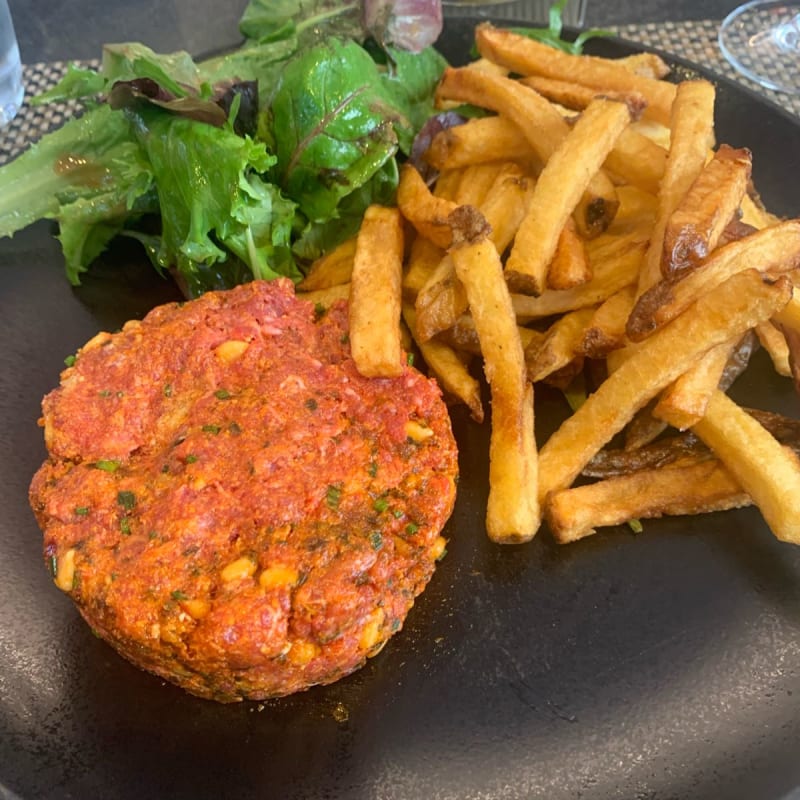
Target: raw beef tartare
(230,504)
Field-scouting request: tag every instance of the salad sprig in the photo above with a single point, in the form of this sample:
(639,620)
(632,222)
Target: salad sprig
(245,165)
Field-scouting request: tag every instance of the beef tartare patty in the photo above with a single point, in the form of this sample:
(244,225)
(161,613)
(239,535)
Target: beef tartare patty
(230,504)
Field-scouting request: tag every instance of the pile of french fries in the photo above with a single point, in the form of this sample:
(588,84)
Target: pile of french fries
(587,224)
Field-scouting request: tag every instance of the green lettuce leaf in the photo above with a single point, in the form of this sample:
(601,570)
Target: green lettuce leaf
(86,172)
(210,195)
(337,126)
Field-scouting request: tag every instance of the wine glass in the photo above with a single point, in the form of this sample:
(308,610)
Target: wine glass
(761,39)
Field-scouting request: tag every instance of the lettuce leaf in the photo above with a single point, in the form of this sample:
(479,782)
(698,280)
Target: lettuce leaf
(337,124)
(212,198)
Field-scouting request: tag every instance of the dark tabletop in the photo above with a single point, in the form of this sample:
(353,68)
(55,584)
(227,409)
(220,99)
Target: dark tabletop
(56,30)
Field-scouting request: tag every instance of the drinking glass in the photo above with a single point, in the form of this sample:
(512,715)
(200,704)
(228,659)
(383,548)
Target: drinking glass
(761,39)
(11,88)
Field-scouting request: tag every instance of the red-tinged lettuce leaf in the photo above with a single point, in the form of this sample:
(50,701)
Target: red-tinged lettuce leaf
(175,72)
(337,124)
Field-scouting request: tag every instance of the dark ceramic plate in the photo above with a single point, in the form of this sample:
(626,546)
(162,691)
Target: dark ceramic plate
(663,665)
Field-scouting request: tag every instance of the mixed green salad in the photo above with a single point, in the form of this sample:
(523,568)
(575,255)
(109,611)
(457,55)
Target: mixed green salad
(250,164)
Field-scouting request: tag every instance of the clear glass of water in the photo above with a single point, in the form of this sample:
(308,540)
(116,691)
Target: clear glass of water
(11,87)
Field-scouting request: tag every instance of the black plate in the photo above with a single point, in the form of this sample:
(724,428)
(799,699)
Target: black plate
(663,665)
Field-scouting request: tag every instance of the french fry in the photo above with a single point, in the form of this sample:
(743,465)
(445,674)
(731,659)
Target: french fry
(506,204)
(788,320)
(440,302)
(424,256)
(700,218)
(774,250)
(684,402)
(478,141)
(576,96)
(447,182)
(740,303)
(513,513)
(560,346)
(683,448)
(543,127)
(570,266)
(325,298)
(754,213)
(648,65)
(476,182)
(426,212)
(375,294)
(692,135)
(774,342)
(694,488)
(562,182)
(450,371)
(637,160)
(527,57)
(644,428)
(615,265)
(462,336)
(764,469)
(606,330)
(331,269)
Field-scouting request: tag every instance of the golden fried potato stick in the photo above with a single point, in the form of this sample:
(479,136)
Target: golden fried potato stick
(527,57)
(541,124)
(506,204)
(774,342)
(376,294)
(440,302)
(768,472)
(424,210)
(606,330)
(615,265)
(637,160)
(682,488)
(772,250)
(424,256)
(570,266)
(649,65)
(450,371)
(754,213)
(559,187)
(331,269)
(447,182)
(788,321)
(560,346)
(464,338)
(684,402)
(692,136)
(325,298)
(736,306)
(478,141)
(575,96)
(513,513)
(476,182)
(700,218)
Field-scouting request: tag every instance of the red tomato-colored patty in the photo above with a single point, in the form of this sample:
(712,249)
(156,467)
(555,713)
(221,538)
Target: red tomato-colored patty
(230,504)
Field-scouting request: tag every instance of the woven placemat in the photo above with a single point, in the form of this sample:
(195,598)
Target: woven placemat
(695,41)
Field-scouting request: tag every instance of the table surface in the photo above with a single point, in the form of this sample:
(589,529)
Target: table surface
(56,30)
